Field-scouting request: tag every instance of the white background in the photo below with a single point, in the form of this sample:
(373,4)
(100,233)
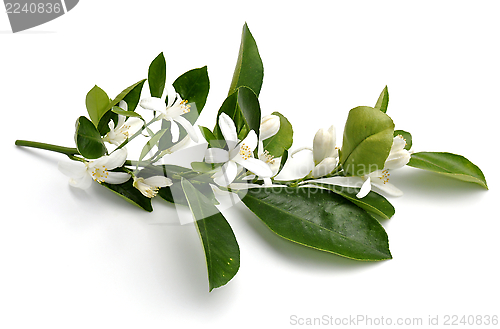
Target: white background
(87,259)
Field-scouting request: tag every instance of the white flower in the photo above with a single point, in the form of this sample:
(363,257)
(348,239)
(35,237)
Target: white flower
(324,145)
(82,173)
(269,126)
(149,186)
(172,112)
(398,157)
(325,167)
(123,129)
(237,154)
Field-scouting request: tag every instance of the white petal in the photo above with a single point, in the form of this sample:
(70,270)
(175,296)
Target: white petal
(388,188)
(365,188)
(189,128)
(121,120)
(325,167)
(73,169)
(111,125)
(158,181)
(180,145)
(134,124)
(397,160)
(153,103)
(268,181)
(249,177)
(123,105)
(398,143)
(215,155)
(83,183)
(115,159)
(174,130)
(258,167)
(269,126)
(117,177)
(173,98)
(251,140)
(275,166)
(228,128)
(226,174)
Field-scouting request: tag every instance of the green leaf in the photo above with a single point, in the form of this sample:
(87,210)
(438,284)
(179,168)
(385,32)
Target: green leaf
(130,95)
(249,70)
(193,86)
(368,137)
(97,102)
(88,140)
(373,202)
(131,194)
(222,252)
(119,110)
(407,137)
(243,107)
(151,143)
(157,75)
(282,140)
(449,164)
(210,138)
(202,167)
(103,125)
(320,219)
(383,100)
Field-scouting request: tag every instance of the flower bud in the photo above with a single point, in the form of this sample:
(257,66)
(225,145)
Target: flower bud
(324,145)
(269,126)
(325,167)
(398,157)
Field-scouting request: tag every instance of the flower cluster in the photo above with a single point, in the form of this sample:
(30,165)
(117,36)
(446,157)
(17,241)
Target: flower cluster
(334,205)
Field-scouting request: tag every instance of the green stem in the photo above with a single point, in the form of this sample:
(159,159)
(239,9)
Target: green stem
(136,134)
(48,147)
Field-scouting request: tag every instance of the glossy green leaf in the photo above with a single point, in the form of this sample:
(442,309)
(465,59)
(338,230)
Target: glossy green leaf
(373,202)
(320,219)
(175,194)
(222,252)
(368,137)
(449,164)
(243,107)
(210,138)
(103,125)
(249,70)
(193,86)
(407,137)
(151,143)
(383,100)
(97,102)
(157,75)
(88,140)
(130,95)
(282,140)
(131,194)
